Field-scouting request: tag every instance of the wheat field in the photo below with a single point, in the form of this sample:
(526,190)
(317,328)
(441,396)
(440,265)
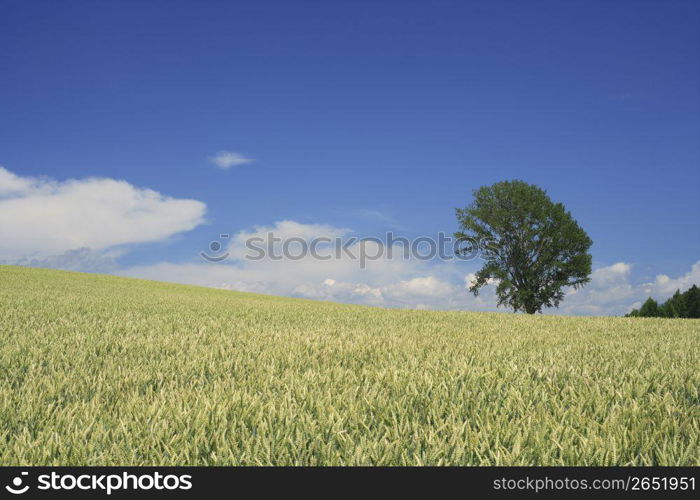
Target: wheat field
(101,370)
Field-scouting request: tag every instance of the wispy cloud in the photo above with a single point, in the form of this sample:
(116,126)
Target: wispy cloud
(377,216)
(80,259)
(227,159)
(374,214)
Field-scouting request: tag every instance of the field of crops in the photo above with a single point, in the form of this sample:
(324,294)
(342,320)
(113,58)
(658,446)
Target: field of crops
(101,370)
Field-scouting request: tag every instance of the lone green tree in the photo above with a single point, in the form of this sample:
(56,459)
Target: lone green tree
(532,247)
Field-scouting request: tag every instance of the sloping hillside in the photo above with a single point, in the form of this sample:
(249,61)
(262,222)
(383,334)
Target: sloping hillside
(103,370)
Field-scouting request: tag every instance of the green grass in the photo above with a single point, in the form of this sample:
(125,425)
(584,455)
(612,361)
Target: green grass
(100,370)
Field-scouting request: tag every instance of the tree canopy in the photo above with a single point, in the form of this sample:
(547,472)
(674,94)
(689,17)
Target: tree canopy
(532,247)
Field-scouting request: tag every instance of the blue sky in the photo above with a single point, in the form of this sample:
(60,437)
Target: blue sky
(361,115)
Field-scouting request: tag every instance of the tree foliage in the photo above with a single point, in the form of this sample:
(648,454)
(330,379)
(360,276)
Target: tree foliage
(680,305)
(534,248)
(649,309)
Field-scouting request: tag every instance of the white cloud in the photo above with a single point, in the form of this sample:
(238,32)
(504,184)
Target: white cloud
(664,285)
(610,274)
(428,286)
(13,185)
(41,217)
(470,280)
(610,292)
(227,159)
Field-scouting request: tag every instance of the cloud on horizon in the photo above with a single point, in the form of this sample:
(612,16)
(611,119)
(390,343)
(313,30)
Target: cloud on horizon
(79,259)
(394,283)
